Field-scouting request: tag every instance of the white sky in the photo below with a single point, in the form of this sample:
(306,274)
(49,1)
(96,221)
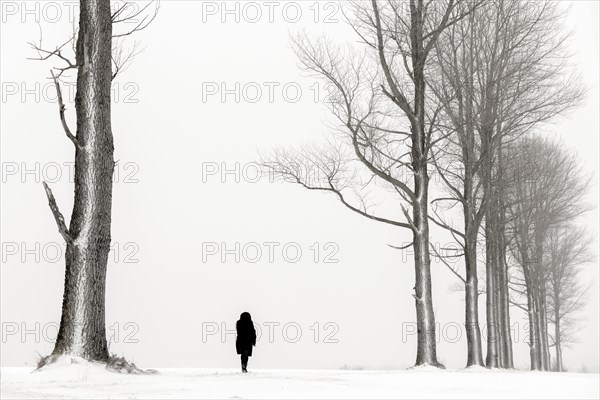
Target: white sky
(164,208)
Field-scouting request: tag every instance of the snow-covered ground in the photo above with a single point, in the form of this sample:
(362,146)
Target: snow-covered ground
(94,382)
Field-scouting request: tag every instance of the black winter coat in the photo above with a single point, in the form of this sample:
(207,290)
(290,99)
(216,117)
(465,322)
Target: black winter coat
(246,334)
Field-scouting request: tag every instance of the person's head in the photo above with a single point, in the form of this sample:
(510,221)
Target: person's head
(245,316)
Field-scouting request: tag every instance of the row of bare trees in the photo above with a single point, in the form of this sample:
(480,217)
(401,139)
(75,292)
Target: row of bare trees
(462,90)
(546,195)
(501,73)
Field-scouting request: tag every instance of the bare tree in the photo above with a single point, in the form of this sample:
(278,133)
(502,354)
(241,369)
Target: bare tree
(568,248)
(381,102)
(82,330)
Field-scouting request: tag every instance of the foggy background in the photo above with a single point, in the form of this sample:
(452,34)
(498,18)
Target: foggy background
(197,239)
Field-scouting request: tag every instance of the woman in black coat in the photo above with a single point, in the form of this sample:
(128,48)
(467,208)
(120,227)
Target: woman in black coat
(246,338)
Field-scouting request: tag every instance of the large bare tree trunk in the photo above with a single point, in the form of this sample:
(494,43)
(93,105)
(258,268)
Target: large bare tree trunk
(426,340)
(82,326)
(426,345)
(419,148)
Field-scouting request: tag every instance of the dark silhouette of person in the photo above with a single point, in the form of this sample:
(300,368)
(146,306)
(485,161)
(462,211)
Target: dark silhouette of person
(246,338)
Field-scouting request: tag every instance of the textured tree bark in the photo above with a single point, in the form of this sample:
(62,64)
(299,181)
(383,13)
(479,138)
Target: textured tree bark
(82,327)
(426,344)
(474,353)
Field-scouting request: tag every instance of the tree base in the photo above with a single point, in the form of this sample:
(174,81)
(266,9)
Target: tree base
(437,365)
(114,364)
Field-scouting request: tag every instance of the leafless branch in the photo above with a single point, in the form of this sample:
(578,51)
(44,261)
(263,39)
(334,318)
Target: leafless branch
(61,110)
(58,217)
(463,280)
(144,21)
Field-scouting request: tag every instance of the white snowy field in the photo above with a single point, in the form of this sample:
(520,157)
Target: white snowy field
(94,382)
